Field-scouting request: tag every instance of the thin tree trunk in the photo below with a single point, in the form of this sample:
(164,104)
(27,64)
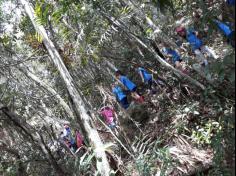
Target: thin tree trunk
(34,135)
(79,107)
(51,90)
(168,66)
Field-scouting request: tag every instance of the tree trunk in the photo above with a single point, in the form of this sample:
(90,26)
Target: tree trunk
(168,66)
(79,107)
(51,90)
(34,135)
(180,74)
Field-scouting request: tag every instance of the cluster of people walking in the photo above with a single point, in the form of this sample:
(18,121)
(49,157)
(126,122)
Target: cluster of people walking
(131,87)
(124,86)
(195,40)
(73,141)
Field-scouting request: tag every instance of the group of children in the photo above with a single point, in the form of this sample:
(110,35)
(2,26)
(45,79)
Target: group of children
(72,141)
(108,112)
(194,39)
(198,48)
(131,87)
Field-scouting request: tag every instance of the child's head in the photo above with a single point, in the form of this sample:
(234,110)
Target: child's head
(181,31)
(66,125)
(118,74)
(135,66)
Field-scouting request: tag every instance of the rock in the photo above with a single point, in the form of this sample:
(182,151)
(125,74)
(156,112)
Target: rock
(139,113)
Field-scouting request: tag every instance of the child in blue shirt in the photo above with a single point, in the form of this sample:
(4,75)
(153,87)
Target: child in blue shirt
(175,56)
(176,59)
(129,85)
(227,31)
(196,44)
(146,77)
(120,96)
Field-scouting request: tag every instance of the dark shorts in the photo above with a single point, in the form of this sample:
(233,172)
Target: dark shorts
(149,83)
(74,147)
(134,89)
(124,103)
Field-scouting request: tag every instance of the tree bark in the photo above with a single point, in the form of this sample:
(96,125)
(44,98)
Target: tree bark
(51,90)
(34,135)
(21,171)
(79,107)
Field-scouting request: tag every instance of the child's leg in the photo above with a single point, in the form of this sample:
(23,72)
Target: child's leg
(150,84)
(135,95)
(201,57)
(124,103)
(178,65)
(209,52)
(160,82)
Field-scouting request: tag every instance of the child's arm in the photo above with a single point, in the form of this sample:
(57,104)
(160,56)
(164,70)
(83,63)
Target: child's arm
(183,47)
(168,57)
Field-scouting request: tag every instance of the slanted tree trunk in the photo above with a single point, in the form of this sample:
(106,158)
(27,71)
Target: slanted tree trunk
(83,118)
(50,90)
(34,135)
(168,66)
(180,74)
(157,31)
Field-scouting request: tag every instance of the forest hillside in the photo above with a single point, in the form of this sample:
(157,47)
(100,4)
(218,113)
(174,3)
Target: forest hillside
(117,87)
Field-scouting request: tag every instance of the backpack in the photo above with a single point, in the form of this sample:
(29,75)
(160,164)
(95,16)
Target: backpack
(79,140)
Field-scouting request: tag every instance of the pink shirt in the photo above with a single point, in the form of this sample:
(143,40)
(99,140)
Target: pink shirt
(107,113)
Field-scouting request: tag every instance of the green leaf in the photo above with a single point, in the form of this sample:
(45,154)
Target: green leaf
(149,31)
(38,37)
(216,67)
(125,10)
(57,15)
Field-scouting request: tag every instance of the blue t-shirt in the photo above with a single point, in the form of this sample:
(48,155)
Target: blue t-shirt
(147,77)
(119,93)
(127,83)
(224,28)
(173,53)
(231,2)
(194,41)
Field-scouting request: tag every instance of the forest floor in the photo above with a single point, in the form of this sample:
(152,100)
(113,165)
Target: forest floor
(175,116)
